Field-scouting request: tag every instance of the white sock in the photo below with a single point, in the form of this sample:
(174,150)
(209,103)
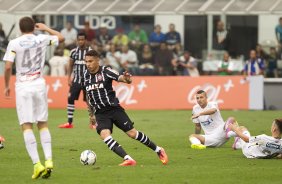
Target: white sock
(127,157)
(231,134)
(247,133)
(31,145)
(157,149)
(194,140)
(45,138)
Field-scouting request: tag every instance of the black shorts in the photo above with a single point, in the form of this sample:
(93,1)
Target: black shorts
(75,90)
(113,115)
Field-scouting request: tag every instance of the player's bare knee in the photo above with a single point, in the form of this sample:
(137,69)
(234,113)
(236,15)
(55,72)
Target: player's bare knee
(242,128)
(105,133)
(132,133)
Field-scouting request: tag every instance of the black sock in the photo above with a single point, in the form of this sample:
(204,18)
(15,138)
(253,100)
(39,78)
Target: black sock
(115,147)
(70,110)
(145,140)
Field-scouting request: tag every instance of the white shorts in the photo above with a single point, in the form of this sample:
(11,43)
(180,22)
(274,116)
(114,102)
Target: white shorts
(217,138)
(31,101)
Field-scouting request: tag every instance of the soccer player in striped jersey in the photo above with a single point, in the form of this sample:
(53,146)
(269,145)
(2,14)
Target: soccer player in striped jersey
(102,99)
(206,116)
(260,146)
(28,53)
(75,76)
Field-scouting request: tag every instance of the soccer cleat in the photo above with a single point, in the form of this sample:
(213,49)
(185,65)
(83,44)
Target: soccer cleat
(227,127)
(236,139)
(48,169)
(37,170)
(198,146)
(128,163)
(1,142)
(163,156)
(66,125)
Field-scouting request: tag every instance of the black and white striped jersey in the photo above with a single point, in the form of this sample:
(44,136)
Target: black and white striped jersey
(99,89)
(78,56)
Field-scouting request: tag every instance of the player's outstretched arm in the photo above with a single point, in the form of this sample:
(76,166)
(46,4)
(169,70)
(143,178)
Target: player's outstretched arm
(43,27)
(126,78)
(207,112)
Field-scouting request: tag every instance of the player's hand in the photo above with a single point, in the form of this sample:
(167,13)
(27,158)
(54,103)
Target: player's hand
(41,27)
(127,76)
(70,82)
(7,92)
(195,116)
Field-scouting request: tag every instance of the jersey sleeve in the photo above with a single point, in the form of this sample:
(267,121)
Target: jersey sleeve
(10,54)
(112,74)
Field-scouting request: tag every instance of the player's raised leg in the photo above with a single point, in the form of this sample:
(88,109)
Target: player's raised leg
(238,142)
(113,145)
(228,132)
(144,139)
(197,141)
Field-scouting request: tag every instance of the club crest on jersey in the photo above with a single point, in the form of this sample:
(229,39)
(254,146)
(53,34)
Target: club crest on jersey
(94,86)
(99,77)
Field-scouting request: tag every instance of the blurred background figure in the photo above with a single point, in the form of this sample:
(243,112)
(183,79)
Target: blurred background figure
(186,65)
(163,60)
(224,65)
(156,38)
(253,65)
(137,38)
(271,65)
(278,33)
(120,39)
(58,63)
(112,58)
(69,34)
(146,61)
(90,33)
(172,37)
(221,38)
(103,37)
(129,61)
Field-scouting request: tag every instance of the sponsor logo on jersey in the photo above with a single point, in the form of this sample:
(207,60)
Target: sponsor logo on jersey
(273,146)
(206,123)
(79,62)
(94,86)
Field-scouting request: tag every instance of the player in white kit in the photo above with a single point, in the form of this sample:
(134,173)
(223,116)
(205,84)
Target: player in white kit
(260,146)
(206,116)
(28,51)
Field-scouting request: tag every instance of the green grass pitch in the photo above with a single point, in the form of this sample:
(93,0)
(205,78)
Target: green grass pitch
(169,129)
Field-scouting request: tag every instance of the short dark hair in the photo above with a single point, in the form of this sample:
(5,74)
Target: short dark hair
(200,92)
(278,122)
(93,53)
(27,25)
(82,34)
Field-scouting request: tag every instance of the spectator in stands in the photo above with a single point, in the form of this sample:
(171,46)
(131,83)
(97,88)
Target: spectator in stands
(221,38)
(90,33)
(186,65)
(253,66)
(224,65)
(156,38)
(104,38)
(120,39)
(137,38)
(278,33)
(113,58)
(2,36)
(146,61)
(58,63)
(163,60)
(271,70)
(129,61)
(172,37)
(69,34)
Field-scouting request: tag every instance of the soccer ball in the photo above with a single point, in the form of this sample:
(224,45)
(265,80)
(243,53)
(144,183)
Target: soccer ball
(88,157)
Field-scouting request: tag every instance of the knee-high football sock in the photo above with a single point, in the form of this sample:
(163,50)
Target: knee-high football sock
(115,147)
(146,141)
(70,110)
(31,145)
(45,138)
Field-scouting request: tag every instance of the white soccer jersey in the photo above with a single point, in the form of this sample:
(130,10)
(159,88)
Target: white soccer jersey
(262,146)
(29,52)
(209,123)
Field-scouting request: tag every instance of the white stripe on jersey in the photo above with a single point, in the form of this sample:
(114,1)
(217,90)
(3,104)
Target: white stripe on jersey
(92,92)
(106,92)
(99,93)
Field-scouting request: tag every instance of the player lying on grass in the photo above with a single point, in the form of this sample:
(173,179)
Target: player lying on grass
(1,142)
(260,146)
(206,116)
(102,99)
